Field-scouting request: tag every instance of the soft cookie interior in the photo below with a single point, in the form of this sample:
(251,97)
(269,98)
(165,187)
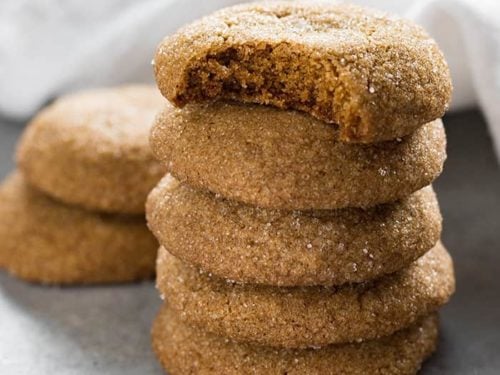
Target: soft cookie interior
(377,78)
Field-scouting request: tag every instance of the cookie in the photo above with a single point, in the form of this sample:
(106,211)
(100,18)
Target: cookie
(314,316)
(287,160)
(45,241)
(185,350)
(91,149)
(289,248)
(376,76)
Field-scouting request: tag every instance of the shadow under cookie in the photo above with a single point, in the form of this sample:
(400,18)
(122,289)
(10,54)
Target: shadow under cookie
(313,316)
(182,349)
(46,241)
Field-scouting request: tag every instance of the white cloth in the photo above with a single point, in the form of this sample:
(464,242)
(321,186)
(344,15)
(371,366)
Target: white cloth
(48,47)
(468,32)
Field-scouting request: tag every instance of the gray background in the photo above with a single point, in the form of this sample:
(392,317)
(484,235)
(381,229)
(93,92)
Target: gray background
(106,329)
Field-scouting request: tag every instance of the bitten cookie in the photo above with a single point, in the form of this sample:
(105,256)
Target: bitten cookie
(185,350)
(288,160)
(45,241)
(91,149)
(307,316)
(377,76)
(289,248)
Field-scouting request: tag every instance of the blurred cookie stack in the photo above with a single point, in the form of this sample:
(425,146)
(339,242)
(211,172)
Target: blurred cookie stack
(299,230)
(74,211)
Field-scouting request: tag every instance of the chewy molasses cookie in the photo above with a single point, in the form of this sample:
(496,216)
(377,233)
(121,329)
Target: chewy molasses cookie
(289,248)
(48,242)
(377,76)
(185,350)
(91,149)
(288,160)
(314,316)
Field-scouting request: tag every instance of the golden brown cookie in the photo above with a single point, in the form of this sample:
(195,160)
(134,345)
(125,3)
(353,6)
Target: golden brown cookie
(285,159)
(288,248)
(184,350)
(377,76)
(91,149)
(46,241)
(312,316)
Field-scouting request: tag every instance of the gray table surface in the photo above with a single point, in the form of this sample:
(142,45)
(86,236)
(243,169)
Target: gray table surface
(105,330)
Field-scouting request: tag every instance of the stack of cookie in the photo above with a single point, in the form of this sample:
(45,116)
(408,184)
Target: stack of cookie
(74,212)
(299,230)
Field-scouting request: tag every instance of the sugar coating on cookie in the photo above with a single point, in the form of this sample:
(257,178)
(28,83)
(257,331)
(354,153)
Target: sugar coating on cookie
(307,316)
(376,76)
(288,248)
(91,149)
(288,160)
(182,349)
(45,241)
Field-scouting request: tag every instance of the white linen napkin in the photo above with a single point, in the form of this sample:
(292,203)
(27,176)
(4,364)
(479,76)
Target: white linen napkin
(49,47)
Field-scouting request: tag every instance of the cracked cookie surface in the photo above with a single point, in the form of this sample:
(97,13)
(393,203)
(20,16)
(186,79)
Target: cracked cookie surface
(272,158)
(42,240)
(182,349)
(288,248)
(297,317)
(91,149)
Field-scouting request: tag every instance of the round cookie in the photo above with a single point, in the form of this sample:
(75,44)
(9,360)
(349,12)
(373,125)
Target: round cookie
(307,316)
(91,149)
(48,242)
(290,248)
(288,160)
(185,350)
(377,76)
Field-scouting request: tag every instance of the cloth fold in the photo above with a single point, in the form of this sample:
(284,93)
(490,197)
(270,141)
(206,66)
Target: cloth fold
(468,32)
